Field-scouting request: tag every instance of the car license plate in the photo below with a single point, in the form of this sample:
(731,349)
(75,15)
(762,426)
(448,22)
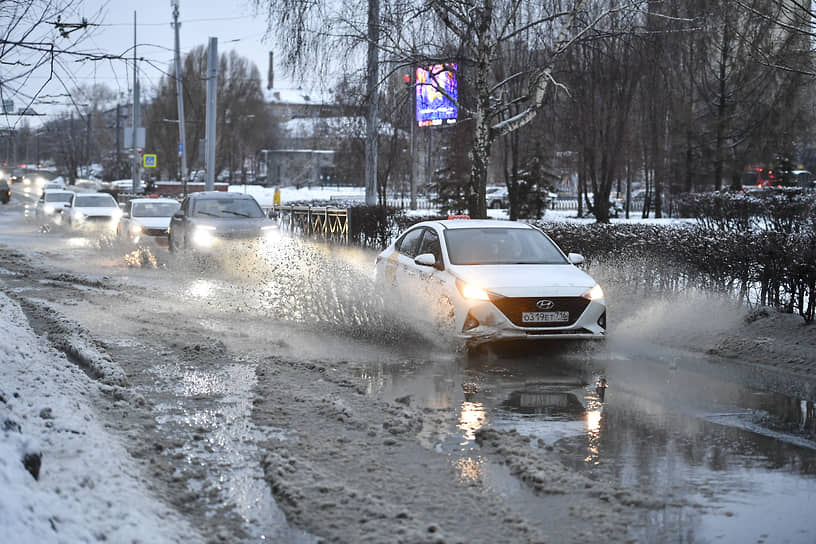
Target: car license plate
(544,317)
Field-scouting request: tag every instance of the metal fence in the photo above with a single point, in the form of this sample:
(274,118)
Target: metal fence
(331,224)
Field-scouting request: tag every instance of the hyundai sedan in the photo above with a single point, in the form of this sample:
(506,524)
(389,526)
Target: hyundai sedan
(494,281)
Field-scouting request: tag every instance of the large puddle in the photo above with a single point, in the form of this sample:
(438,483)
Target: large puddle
(733,464)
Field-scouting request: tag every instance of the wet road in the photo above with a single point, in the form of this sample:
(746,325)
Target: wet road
(733,463)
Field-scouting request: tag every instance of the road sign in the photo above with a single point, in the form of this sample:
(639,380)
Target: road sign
(149,161)
(181,149)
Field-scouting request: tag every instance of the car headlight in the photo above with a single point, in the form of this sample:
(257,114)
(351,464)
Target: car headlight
(135,229)
(269,231)
(594,294)
(79,216)
(116,215)
(203,235)
(48,209)
(471,291)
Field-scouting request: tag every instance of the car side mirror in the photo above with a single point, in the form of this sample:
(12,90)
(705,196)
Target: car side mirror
(425,259)
(178,215)
(576,258)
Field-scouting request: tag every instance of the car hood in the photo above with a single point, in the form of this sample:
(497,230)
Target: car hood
(239,224)
(97,211)
(527,280)
(152,222)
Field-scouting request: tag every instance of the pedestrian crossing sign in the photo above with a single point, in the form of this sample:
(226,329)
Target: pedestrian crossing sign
(150,161)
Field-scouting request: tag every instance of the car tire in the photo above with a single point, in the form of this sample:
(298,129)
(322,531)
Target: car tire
(171,243)
(496,205)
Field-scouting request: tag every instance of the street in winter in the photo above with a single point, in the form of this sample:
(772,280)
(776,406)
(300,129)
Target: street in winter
(409,272)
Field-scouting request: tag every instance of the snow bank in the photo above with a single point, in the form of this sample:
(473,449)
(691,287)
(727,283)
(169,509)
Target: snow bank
(89,489)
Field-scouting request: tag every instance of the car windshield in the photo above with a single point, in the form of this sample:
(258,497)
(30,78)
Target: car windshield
(154,209)
(94,201)
(57,197)
(476,246)
(228,207)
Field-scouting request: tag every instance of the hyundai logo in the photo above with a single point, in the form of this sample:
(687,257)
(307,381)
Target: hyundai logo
(545,304)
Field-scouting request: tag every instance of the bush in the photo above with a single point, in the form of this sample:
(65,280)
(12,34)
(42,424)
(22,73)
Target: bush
(758,267)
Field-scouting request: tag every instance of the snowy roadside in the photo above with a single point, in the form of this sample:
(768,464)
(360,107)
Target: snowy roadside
(88,488)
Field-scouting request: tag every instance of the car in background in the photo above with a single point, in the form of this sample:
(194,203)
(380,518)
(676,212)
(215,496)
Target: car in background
(5,191)
(497,198)
(212,220)
(16,175)
(494,281)
(93,210)
(51,204)
(147,218)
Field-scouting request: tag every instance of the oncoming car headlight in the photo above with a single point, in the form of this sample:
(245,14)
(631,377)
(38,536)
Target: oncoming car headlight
(135,229)
(594,294)
(471,291)
(269,231)
(48,209)
(203,235)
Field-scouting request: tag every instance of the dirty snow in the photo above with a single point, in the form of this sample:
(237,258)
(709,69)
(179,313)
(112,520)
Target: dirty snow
(88,488)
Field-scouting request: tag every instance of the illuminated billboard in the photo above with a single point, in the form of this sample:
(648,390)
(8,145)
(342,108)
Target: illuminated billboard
(437,93)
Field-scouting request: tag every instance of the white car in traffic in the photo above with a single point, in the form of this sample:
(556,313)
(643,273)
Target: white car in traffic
(51,204)
(494,281)
(93,210)
(147,218)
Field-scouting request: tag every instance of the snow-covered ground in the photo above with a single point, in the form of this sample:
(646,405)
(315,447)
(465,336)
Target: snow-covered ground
(87,489)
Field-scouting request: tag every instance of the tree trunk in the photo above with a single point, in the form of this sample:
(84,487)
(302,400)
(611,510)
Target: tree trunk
(372,119)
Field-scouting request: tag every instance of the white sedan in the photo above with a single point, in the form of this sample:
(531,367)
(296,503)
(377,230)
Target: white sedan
(494,280)
(147,218)
(51,204)
(93,210)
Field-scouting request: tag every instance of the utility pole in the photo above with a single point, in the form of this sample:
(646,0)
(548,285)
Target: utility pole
(135,115)
(209,134)
(180,98)
(88,146)
(118,146)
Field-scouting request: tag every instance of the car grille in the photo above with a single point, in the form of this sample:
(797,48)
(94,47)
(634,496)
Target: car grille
(98,219)
(154,232)
(239,235)
(513,308)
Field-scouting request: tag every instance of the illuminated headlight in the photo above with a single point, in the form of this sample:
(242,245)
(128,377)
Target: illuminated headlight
(203,235)
(40,182)
(269,231)
(135,229)
(79,216)
(471,291)
(48,209)
(594,294)
(116,216)
(26,181)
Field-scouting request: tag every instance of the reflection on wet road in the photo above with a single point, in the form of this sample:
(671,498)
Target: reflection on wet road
(732,464)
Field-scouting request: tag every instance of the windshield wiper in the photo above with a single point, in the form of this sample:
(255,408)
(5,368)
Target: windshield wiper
(208,213)
(237,213)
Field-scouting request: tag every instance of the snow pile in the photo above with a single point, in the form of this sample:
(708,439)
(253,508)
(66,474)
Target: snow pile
(88,488)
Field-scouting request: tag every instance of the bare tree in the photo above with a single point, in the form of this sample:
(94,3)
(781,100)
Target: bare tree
(35,37)
(242,119)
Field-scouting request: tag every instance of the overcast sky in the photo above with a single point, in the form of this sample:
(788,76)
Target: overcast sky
(233,22)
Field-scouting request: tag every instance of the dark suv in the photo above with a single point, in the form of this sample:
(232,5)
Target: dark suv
(211,220)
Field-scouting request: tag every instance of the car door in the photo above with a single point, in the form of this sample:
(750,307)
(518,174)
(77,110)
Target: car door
(407,248)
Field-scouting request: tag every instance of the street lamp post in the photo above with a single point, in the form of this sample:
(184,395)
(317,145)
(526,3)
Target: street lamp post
(180,97)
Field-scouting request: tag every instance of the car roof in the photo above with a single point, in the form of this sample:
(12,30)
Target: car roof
(57,192)
(219,194)
(479,224)
(149,200)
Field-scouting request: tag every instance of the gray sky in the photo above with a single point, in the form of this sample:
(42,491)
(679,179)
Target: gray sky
(233,22)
